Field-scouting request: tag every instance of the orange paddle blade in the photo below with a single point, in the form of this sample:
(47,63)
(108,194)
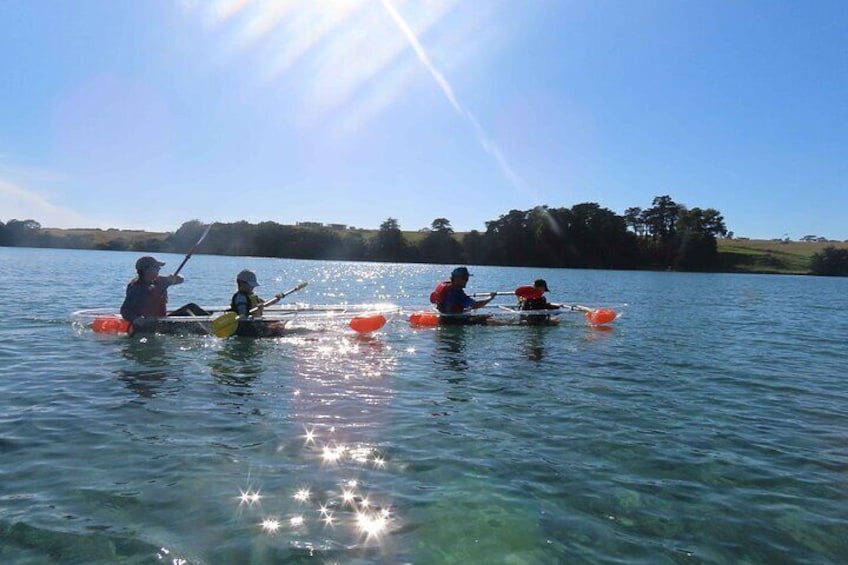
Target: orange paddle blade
(110,325)
(365,324)
(601,316)
(424,319)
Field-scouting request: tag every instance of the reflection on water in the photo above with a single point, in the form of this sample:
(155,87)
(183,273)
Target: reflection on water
(239,362)
(450,349)
(147,368)
(533,343)
(341,397)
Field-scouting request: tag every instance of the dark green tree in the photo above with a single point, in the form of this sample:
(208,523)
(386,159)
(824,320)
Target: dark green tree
(440,246)
(661,218)
(23,233)
(389,243)
(473,248)
(832,261)
(634,219)
(185,237)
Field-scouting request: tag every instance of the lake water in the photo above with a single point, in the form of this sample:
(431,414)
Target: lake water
(707,425)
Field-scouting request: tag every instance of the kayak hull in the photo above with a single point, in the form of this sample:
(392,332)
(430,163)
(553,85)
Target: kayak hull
(362,318)
(507,316)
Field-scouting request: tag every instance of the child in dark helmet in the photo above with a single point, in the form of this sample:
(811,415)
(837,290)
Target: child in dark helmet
(536,301)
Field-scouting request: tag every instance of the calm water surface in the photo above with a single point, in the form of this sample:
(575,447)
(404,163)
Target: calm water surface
(707,425)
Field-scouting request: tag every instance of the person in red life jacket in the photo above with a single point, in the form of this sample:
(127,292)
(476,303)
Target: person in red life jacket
(147,295)
(450,298)
(533,298)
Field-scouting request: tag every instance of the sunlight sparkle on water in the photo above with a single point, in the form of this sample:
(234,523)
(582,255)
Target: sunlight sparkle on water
(348,497)
(333,454)
(249,497)
(302,495)
(372,525)
(271,525)
(310,436)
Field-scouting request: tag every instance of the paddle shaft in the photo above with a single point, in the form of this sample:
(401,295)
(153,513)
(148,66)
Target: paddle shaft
(499,293)
(226,324)
(278,297)
(192,250)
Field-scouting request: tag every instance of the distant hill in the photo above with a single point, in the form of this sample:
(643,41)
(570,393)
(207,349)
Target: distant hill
(100,238)
(770,256)
(735,255)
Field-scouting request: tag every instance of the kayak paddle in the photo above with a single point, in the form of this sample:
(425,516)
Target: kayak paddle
(226,324)
(192,250)
(596,316)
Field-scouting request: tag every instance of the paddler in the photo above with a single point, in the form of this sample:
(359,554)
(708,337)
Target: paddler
(450,298)
(147,295)
(533,298)
(248,305)
(245,299)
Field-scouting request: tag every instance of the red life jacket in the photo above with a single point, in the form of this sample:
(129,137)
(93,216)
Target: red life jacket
(529,292)
(154,298)
(438,296)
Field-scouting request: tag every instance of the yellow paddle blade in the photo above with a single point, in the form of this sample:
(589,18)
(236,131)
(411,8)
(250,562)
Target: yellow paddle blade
(225,325)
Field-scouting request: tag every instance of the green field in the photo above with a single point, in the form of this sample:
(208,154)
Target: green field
(103,237)
(769,256)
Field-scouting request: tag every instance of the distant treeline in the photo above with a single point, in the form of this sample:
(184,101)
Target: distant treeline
(666,235)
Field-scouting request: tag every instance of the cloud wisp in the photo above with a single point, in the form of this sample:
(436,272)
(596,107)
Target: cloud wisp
(21,204)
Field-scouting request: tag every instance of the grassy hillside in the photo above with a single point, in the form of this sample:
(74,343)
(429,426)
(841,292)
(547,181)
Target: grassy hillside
(769,256)
(99,237)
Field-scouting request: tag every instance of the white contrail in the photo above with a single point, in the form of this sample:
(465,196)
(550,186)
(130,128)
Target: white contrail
(488,145)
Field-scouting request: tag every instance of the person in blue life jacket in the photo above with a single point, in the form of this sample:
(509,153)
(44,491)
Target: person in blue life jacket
(450,298)
(245,299)
(147,295)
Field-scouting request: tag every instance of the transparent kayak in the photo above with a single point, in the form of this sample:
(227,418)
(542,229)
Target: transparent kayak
(275,321)
(507,315)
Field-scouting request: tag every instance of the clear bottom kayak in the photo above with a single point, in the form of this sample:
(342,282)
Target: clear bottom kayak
(509,316)
(362,318)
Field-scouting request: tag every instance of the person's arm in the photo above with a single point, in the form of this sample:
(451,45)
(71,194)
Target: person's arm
(171,280)
(480,303)
(242,304)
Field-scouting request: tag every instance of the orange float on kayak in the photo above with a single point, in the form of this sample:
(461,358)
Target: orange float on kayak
(365,324)
(424,319)
(601,316)
(110,325)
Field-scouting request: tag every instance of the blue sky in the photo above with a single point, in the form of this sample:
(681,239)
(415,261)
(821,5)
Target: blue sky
(148,114)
